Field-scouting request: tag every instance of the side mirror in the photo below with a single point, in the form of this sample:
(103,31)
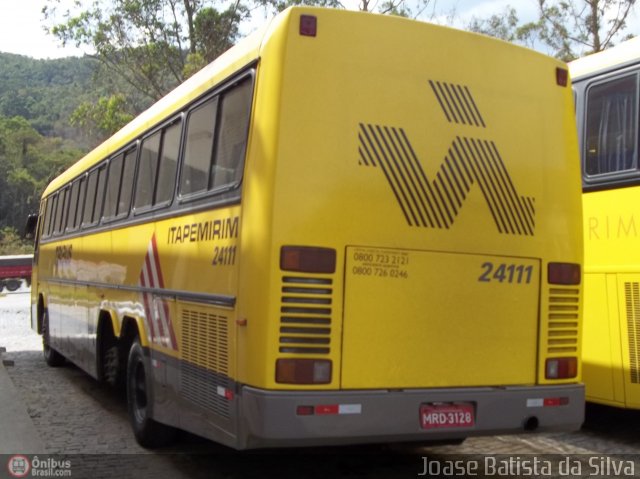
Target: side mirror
(30,227)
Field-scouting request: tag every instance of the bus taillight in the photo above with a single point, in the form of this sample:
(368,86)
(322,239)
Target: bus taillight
(563,273)
(303,371)
(561,368)
(308,259)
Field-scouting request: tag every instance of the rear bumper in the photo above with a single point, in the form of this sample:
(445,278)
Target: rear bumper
(269,418)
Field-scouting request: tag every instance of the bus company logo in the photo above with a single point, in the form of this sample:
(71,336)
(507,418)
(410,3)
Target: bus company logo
(19,466)
(156,309)
(469,161)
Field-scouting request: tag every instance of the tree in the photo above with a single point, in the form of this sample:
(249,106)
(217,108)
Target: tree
(102,119)
(11,243)
(28,161)
(146,42)
(279,5)
(568,28)
(403,8)
(578,27)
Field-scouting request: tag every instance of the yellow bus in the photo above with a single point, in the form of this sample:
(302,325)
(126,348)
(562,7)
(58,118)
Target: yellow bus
(349,228)
(607,96)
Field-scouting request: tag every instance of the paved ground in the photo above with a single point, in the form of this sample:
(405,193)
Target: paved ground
(75,416)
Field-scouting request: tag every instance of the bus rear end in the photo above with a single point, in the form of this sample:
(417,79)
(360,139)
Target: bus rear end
(412,268)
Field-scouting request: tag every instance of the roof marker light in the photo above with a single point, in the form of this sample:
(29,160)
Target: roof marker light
(562,76)
(308,25)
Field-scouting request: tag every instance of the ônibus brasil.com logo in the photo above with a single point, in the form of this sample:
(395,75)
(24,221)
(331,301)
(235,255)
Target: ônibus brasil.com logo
(20,466)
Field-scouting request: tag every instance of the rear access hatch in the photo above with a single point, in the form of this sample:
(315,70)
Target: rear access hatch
(417,319)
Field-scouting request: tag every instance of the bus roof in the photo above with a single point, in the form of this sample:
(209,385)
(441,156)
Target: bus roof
(626,52)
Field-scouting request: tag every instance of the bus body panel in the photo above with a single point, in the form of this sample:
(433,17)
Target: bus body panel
(601,357)
(448,329)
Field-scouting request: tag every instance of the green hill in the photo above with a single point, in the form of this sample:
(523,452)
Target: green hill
(46,92)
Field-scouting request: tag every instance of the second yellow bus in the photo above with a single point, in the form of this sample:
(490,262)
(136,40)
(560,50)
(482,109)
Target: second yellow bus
(607,89)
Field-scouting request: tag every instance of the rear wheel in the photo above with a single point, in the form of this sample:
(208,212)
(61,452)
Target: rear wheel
(52,357)
(148,432)
(13,284)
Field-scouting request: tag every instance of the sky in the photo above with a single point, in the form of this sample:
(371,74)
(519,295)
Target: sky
(22,32)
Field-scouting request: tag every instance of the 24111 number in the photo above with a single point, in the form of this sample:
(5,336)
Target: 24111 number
(224,256)
(506,273)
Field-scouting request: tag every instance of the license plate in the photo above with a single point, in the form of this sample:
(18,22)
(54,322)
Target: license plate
(447,415)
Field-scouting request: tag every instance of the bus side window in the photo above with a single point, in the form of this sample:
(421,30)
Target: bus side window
(232,136)
(201,125)
(100,189)
(91,198)
(126,189)
(61,212)
(54,212)
(47,217)
(113,186)
(147,171)
(81,201)
(168,163)
(611,130)
(73,206)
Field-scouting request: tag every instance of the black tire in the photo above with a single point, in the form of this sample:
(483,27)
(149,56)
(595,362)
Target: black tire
(13,284)
(111,367)
(148,432)
(52,357)
(112,364)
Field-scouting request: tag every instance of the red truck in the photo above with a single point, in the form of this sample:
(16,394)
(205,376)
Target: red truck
(14,269)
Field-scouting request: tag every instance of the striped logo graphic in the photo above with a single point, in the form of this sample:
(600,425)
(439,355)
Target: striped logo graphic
(156,309)
(469,161)
(457,104)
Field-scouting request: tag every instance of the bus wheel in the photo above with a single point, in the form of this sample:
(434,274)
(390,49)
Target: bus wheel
(148,433)
(52,357)
(13,285)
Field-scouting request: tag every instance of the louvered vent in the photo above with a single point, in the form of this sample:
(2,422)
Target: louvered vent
(305,321)
(632,301)
(205,366)
(563,319)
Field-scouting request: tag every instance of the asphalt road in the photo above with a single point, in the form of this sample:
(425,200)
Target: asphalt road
(77,417)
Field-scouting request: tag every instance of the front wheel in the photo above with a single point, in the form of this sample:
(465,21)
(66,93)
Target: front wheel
(148,432)
(52,357)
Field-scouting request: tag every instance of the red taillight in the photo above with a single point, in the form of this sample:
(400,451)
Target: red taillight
(552,402)
(563,273)
(307,259)
(562,76)
(308,25)
(305,410)
(561,368)
(303,371)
